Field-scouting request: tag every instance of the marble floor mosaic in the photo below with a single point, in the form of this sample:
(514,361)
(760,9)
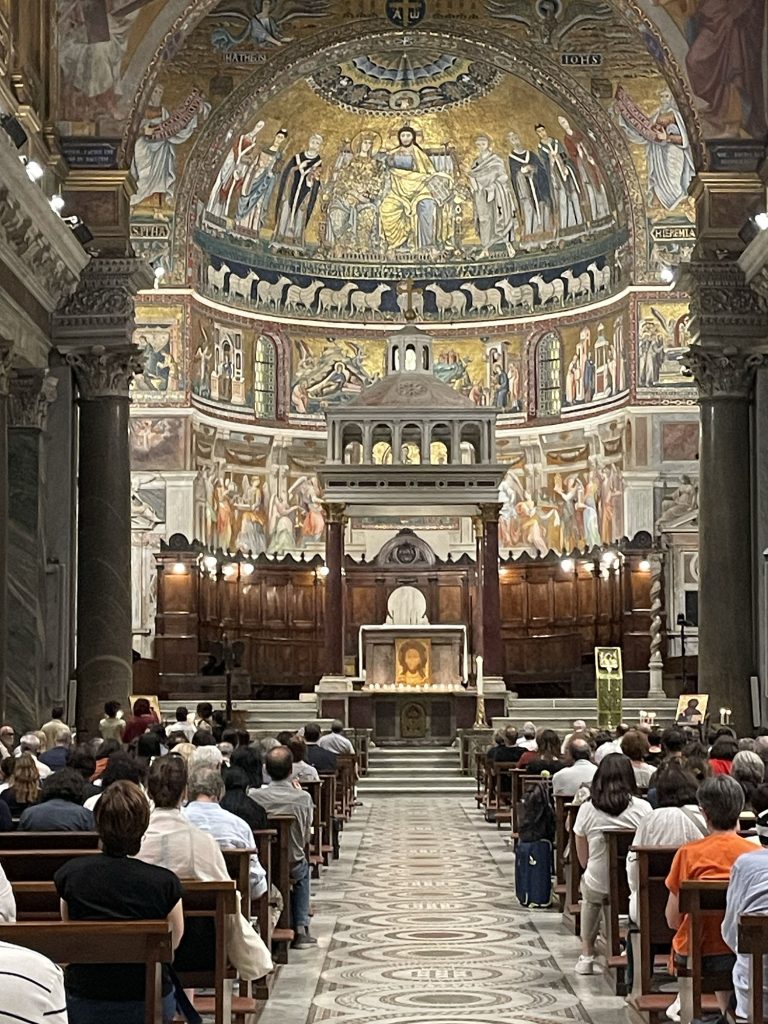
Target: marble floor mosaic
(418,924)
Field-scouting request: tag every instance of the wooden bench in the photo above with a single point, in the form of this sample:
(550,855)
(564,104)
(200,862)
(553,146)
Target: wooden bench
(653,865)
(329,843)
(753,942)
(618,844)
(346,776)
(315,853)
(561,846)
(701,899)
(38,865)
(282,933)
(573,873)
(99,942)
(10,841)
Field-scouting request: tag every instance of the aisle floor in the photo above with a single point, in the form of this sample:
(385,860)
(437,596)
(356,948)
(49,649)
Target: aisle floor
(418,924)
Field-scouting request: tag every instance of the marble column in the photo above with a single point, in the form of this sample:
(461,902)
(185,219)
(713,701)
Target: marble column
(5,369)
(492,653)
(93,332)
(29,693)
(334,589)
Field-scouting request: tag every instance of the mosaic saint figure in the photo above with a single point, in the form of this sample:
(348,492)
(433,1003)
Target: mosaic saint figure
(297,195)
(531,188)
(410,209)
(562,180)
(154,155)
(232,172)
(356,187)
(258,185)
(493,198)
(580,153)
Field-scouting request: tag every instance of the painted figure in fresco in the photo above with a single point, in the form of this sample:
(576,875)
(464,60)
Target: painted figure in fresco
(355,191)
(204,359)
(580,153)
(493,199)
(564,187)
(652,352)
(154,156)
(263,20)
(232,171)
(258,185)
(573,390)
(726,65)
(531,186)
(251,536)
(281,531)
(570,495)
(297,195)
(410,210)
(155,348)
(311,521)
(663,133)
(501,388)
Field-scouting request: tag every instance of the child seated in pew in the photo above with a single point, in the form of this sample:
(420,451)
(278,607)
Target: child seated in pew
(721,800)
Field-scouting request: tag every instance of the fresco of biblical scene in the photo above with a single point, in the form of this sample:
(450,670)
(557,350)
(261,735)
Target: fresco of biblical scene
(158,442)
(577,506)
(257,496)
(235,365)
(662,339)
(158,335)
(330,371)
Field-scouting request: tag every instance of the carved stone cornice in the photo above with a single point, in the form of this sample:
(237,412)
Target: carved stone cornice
(105,372)
(725,373)
(31,393)
(101,311)
(754,262)
(35,243)
(724,306)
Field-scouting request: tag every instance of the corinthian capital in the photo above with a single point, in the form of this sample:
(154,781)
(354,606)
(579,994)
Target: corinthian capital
(31,392)
(105,372)
(728,373)
(101,311)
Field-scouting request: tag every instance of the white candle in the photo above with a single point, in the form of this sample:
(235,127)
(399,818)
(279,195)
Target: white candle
(479,675)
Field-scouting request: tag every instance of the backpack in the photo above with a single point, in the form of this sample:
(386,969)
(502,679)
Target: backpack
(537,819)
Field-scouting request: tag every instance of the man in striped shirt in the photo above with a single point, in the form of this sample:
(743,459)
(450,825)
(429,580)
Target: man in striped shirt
(31,986)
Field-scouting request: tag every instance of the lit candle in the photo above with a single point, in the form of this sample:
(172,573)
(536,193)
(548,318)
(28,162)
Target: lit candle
(479,675)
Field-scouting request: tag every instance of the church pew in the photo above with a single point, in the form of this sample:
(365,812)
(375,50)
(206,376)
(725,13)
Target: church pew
(618,846)
(98,942)
(315,857)
(702,898)
(753,942)
(573,873)
(282,933)
(561,846)
(652,930)
(329,843)
(10,841)
(481,785)
(38,865)
(346,776)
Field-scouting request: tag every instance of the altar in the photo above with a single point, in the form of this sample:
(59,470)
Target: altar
(438,653)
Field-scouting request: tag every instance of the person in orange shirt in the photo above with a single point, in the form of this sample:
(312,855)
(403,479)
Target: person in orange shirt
(721,800)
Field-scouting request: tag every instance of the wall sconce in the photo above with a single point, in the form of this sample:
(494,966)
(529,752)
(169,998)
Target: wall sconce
(211,563)
(230,570)
(644,566)
(322,571)
(247,569)
(179,569)
(567,564)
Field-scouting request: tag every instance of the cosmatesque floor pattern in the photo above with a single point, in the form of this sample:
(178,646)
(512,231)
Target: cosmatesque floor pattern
(418,924)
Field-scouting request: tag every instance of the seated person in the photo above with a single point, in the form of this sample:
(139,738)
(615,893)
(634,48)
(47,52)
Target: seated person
(508,752)
(336,741)
(282,797)
(546,757)
(204,791)
(55,757)
(721,801)
(635,746)
(114,886)
(143,716)
(60,808)
(747,894)
(182,725)
(237,801)
(579,772)
(321,758)
(172,841)
(302,771)
(33,983)
(23,786)
(7,900)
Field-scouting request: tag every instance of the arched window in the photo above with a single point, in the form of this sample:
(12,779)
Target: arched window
(548,375)
(381,439)
(352,444)
(264,405)
(410,358)
(411,445)
(471,441)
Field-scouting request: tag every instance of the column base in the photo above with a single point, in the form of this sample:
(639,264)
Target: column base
(656,687)
(494,686)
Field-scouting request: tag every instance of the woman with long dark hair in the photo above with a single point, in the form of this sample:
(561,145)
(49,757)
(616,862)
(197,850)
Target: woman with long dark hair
(613,805)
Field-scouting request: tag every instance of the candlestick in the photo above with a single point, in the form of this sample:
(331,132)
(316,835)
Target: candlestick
(479,676)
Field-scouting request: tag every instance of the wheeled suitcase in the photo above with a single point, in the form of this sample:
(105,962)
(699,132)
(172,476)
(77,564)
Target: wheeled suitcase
(534,866)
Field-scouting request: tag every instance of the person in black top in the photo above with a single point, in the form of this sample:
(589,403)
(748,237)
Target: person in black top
(61,806)
(508,752)
(320,758)
(114,886)
(237,801)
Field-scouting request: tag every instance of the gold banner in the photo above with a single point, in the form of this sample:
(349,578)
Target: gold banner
(609,679)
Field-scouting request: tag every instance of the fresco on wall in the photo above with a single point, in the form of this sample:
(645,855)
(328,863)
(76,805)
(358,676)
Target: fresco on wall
(256,495)
(579,505)
(594,361)
(158,442)
(159,336)
(662,338)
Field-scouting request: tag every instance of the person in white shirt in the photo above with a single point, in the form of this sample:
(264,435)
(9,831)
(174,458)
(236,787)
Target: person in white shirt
(182,725)
(205,790)
(7,901)
(174,843)
(32,984)
(675,821)
(579,728)
(6,740)
(747,894)
(30,744)
(612,805)
(335,740)
(568,781)
(614,746)
(528,738)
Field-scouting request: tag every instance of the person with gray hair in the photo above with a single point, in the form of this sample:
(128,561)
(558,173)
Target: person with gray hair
(205,788)
(748,770)
(568,781)
(56,757)
(721,800)
(208,756)
(30,744)
(528,740)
